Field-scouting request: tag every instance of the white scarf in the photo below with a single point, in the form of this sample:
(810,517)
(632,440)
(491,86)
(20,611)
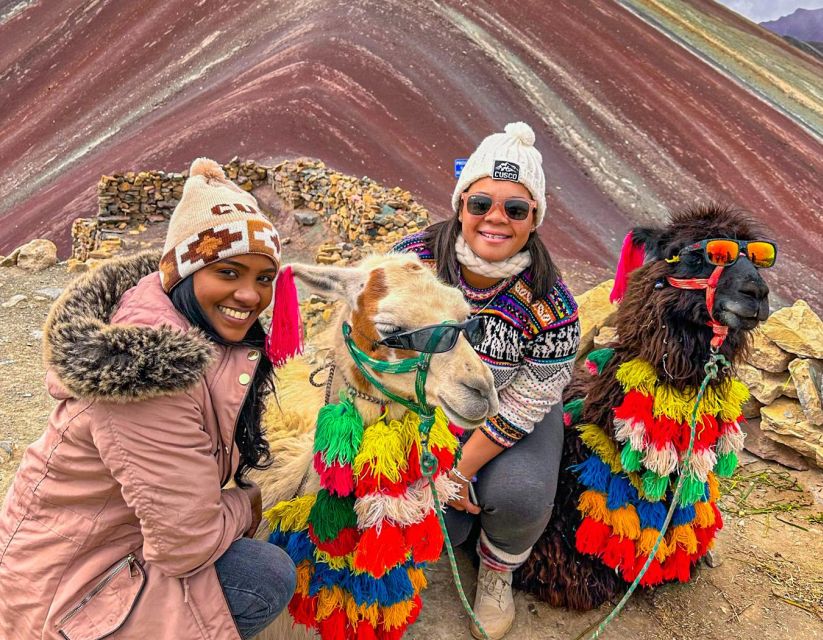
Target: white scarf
(503,269)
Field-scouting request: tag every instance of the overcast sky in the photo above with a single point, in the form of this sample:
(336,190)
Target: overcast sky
(762,10)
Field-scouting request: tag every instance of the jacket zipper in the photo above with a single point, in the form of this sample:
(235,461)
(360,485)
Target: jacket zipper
(128,561)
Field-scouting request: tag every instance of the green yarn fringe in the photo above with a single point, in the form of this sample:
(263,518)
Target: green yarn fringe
(726,464)
(654,486)
(630,458)
(573,411)
(330,514)
(339,432)
(692,491)
(598,359)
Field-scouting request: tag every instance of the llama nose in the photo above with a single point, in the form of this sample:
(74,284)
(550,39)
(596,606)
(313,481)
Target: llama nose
(757,289)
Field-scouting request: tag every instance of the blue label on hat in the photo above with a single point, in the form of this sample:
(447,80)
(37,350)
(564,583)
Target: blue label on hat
(459,163)
(505,170)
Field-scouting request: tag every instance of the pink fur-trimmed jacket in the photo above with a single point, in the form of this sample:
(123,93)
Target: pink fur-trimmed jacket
(117,514)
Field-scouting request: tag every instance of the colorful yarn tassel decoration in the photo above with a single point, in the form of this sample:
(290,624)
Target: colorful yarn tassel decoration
(630,479)
(361,542)
(285,337)
(632,255)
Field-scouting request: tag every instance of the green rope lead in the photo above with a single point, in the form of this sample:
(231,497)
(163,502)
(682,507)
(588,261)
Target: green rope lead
(711,368)
(428,464)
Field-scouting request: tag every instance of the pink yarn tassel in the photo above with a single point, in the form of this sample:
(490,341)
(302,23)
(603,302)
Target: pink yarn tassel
(285,339)
(631,257)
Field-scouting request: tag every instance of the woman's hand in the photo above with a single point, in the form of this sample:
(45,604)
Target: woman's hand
(462,502)
(256,501)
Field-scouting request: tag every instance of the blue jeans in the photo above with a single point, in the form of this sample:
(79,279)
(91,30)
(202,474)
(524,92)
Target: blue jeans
(258,579)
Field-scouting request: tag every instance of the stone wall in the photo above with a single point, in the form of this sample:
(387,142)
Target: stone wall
(362,215)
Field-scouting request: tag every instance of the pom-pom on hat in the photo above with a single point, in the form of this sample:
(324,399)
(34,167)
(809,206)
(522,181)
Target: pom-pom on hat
(214,219)
(510,155)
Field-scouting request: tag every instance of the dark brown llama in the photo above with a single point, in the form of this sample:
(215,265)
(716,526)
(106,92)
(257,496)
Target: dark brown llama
(625,441)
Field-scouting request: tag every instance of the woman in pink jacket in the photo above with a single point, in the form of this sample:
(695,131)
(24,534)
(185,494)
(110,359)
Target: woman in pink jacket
(118,523)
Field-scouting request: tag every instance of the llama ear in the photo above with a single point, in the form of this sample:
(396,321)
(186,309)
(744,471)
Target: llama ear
(340,283)
(651,239)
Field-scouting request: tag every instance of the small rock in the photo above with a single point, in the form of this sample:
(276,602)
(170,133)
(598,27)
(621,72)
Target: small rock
(13,301)
(713,558)
(763,385)
(76,266)
(763,447)
(808,379)
(10,260)
(37,334)
(606,337)
(37,255)
(785,422)
(306,218)
(796,329)
(52,293)
(6,450)
(595,311)
(765,354)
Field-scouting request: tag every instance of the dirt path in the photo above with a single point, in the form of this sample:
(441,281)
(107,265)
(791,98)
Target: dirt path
(769,585)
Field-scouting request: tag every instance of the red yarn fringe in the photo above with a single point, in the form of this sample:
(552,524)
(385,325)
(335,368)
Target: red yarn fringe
(426,539)
(285,337)
(343,544)
(334,626)
(376,552)
(618,552)
(591,536)
(304,610)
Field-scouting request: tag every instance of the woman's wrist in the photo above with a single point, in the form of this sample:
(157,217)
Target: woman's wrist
(461,476)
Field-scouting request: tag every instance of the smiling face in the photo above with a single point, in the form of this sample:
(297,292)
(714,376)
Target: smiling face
(494,236)
(234,292)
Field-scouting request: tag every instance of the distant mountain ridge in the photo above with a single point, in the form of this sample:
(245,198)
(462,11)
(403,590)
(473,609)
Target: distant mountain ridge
(803,24)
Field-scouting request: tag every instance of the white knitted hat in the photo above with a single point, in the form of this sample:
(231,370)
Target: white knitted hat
(214,219)
(507,156)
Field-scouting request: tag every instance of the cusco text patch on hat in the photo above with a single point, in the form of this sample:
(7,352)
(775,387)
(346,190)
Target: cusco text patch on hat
(506,170)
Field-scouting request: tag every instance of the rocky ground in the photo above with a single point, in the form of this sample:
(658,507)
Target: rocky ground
(768,585)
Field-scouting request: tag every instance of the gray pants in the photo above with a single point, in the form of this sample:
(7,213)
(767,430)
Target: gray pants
(516,490)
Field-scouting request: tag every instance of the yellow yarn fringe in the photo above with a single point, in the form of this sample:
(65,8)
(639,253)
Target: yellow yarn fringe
(683,535)
(396,615)
(645,544)
(625,522)
(703,515)
(382,448)
(714,487)
(417,579)
(593,504)
(355,612)
(726,401)
(329,599)
(304,574)
(596,439)
(291,515)
(335,562)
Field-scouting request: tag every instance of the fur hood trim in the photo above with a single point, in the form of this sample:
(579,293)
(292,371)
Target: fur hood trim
(97,360)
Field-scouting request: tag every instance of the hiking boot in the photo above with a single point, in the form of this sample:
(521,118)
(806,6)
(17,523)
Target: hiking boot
(493,603)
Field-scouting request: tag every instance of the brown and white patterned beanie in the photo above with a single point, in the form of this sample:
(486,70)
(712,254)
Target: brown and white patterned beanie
(215,219)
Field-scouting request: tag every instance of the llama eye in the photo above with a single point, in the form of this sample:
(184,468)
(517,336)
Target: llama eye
(386,329)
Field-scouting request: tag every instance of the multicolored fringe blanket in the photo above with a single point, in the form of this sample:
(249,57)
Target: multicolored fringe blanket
(630,478)
(360,544)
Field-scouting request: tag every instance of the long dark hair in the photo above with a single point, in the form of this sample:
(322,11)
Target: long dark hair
(441,237)
(248,436)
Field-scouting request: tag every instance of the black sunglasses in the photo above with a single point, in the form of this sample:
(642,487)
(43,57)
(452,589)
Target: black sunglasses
(437,338)
(478,204)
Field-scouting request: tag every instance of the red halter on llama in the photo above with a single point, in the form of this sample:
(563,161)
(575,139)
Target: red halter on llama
(629,424)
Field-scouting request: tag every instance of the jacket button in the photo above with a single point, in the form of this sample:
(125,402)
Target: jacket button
(244,378)
(254,354)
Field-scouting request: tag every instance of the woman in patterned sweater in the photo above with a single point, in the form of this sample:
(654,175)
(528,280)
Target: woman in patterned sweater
(491,250)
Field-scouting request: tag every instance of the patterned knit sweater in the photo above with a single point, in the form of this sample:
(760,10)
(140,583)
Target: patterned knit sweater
(530,345)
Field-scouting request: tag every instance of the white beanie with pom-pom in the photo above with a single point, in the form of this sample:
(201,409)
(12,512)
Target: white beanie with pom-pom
(214,219)
(510,155)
